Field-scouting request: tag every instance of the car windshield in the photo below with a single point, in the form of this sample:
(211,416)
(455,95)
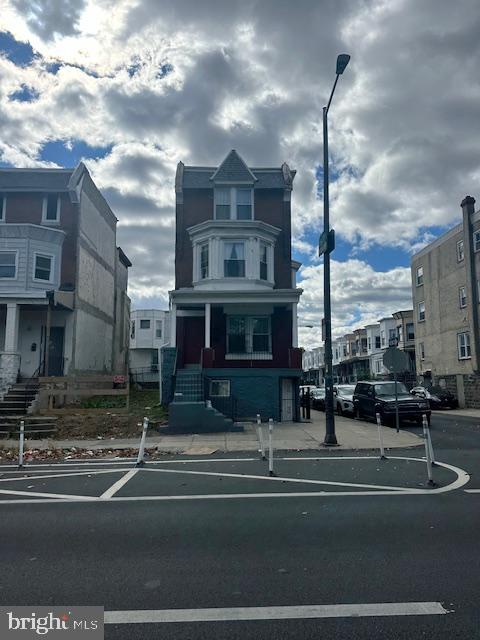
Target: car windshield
(388,389)
(345,390)
(318,393)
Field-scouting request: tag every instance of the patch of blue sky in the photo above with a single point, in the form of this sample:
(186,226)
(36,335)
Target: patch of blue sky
(24,94)
(69,153)
(20,53)
(164,70)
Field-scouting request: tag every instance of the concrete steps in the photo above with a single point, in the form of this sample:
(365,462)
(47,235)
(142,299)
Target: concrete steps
(38,425)
(196,417)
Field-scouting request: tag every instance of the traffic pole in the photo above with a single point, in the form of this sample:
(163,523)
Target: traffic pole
(141,450)
(397,417)
(260,438)
(432,454)
(380,437)
(21,444)
(270,447)
(427,451)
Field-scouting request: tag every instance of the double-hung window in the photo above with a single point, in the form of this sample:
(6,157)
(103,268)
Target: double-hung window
(476,241)
(464,351)
(419,276)
(263,261)
(377,342)
(410,331)
(43,267)
(222,204)
(51,208)
(144,324)
(460,251)
(249,335)
(8,264)
(234,260)
(421,311)
(158,329)
(204,261)
(233,203)
(244,204)
(462,297)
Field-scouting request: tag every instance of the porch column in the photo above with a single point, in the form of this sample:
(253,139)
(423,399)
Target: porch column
(173,325)
(11,328)
(294,325)
(207,324)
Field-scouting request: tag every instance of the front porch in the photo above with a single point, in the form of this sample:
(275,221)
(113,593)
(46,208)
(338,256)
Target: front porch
(26,327)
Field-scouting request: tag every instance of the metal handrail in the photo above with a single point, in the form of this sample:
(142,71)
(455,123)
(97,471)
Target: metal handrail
(30,382)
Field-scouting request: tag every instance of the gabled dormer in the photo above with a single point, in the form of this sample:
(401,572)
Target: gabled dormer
(233,184)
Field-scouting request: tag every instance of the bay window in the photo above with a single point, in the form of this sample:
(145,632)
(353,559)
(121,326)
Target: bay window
(204,261)
(42,267)
(8,264)
(263,261)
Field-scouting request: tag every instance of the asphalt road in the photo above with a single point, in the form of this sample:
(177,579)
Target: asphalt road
(360,548)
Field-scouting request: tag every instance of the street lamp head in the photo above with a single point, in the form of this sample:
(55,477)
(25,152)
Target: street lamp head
(342,61)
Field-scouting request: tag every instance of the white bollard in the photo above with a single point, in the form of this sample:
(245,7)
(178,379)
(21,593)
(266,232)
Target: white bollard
(426,437)
(430,445)
(270,447)
(260,438)
(141,450)
(21,444)
(380,437)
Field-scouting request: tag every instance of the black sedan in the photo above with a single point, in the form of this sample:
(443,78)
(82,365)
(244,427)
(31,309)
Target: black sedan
(438,397)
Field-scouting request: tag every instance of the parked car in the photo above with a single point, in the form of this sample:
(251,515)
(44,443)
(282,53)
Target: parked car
(373,397)
(318,398)
(438,398)
(344,398)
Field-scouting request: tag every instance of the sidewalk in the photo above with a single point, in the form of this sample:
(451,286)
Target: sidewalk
(462,413)
(351,434)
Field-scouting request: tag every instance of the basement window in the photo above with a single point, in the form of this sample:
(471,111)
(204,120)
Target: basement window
(219,388)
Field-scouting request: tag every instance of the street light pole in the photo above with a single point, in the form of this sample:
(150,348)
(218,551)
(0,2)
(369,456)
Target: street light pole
(327,246)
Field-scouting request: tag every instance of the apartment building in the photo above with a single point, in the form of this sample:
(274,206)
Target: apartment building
(313,362)
(445,286)
(149,332)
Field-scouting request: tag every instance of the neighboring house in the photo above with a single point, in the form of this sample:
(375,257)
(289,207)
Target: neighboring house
(149,332)
(374,350)
(313,363)
(445,285)
(405,338)
(350,357)
(63,280)
(233,312)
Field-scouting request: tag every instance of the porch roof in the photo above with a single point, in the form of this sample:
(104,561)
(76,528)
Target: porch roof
(199,297)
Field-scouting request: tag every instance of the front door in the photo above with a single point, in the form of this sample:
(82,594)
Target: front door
(288,399)
(55,352)
(193,339)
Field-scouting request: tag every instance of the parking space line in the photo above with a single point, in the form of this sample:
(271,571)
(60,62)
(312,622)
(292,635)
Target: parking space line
(279,479)
(276,613)
(111,491)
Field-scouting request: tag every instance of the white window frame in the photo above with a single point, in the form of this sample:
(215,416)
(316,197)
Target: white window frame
(460,252)
(41,254)
(233,202)
(245,254)
(421,346)
(145,328)
(409,324)
(268,247)
(200,247)
(418,311)
(476,240)
(462,298)
(46,220)
(3,207)
(419,276)
(219,382)
(463,342)
(16,264)
(158,326)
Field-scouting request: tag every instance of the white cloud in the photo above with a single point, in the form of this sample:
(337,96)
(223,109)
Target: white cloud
(189,80)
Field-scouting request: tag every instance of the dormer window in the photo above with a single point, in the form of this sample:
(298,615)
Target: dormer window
(234,262)
(232,203)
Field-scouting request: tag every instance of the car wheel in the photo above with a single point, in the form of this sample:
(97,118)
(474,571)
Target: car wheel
(339,409)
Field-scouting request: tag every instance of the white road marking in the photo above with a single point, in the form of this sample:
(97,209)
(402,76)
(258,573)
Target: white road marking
(278,479)
(111,491)
(62,475)
(472,490)
(32,494)
(276,613)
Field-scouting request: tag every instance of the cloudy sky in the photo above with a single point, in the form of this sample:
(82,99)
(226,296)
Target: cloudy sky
(134,86)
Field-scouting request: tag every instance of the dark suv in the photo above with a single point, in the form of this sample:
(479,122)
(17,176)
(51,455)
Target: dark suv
(370,398)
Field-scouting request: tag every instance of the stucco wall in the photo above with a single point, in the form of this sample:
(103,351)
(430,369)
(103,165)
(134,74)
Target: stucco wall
(94,337)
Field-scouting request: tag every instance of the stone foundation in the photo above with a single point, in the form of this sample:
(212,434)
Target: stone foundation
(9,368)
